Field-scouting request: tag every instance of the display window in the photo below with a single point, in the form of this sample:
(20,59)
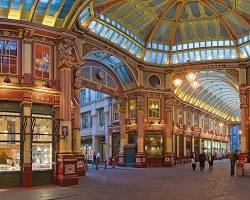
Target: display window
(9,141)
(153,145)
(196,120)
(132,109)
(189,118)
(181,146)
(188,146)
(41,142)
(8,56)
(154,108)
(42,61)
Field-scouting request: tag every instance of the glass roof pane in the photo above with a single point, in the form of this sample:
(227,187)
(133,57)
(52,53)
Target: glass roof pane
(66,8)
(42,5)
(54,7)
(28,4)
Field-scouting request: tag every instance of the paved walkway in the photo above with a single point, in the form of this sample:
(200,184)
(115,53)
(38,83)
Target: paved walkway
(145,184)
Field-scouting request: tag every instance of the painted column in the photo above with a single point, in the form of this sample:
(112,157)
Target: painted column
(193,150)
(140,159)
(76,124)
(123,138)
(244,120)
(106,129)
(66,160)
(27,163)
(168,154)
(184,146)
(178,145)
(77,135)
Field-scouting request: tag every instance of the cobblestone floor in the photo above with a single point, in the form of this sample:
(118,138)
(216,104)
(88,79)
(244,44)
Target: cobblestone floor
(145,184)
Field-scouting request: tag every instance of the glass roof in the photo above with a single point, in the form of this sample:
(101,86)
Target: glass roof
(47,12)
(123,72)
(218,94)
(174,32)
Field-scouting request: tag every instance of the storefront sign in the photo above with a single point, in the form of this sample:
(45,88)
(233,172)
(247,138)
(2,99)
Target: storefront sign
(70,169)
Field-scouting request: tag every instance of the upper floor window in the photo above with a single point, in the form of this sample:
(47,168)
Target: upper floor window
(86,120)
(42,60)
(188,118)
(180,116)
(154,108)
(8,56)
(206,123)
(99,95)
(196,120)
(101,117)
(132,109)
(85,96)
(115,112)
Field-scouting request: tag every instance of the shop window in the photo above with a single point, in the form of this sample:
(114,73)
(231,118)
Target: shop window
(132,109)
(153,145)
(196,120)
(180,116)
(85,96)
(42,142)
(189,146)
(42,60)
(132,138)
(189,118)
(115,112)
(101,117)
(154,108)
(206,123)
(8,56)
(86,120)
(9,141)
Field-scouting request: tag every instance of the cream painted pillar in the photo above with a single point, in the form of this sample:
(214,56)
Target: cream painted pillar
(27,163)
(178,146)
(76,124)
(201,150)
(173,136)
(184,146)
(65,108)
(193,150)
(212,146)
(169,129)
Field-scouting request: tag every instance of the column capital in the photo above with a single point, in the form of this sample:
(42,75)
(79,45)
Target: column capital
(66,57)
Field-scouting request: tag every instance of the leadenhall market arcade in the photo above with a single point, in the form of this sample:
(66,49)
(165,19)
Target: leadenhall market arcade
(178,70)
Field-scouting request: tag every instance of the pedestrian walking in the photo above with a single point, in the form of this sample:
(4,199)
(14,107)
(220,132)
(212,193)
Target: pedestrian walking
(202,159)
(193,162)
(94,158)
(98,157)
(211,162)
(233,159)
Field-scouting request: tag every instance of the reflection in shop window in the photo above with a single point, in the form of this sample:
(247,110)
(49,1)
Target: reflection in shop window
(154,108)
(42,142)
(42,60)
(132,108)
(9,141)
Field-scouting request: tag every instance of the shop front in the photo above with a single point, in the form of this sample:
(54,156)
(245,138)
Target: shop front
(153,148)
(87,149)
(43,144)
(10,144)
